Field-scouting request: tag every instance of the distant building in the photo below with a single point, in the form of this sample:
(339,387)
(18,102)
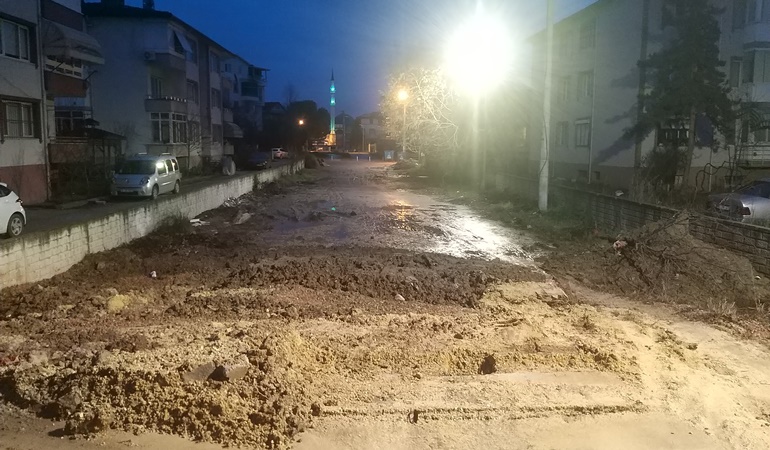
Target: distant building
(243,90)
(372,130)
(162,83)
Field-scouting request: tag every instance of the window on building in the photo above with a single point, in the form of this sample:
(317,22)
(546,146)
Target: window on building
(168,128)
(586,84)
(562,134)
(176,43)
(18,120)
(192,55)
(228,68)
(216,130)
(192,92)
(214,59)
(69,121)
(739,14)
(588,35)
(753,11)
(194,131)
(756,66)
(735,72)
(14,40)
(156,87)
(216,98)
(583,133)
(69,67)
(562,90)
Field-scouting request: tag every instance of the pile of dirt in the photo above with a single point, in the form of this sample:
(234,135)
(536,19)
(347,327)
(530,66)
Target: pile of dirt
(429,278)
(664,261)
(265,408)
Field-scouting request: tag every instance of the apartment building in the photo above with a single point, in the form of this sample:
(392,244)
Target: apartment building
(596,83)
(22,134)
(243,89)
(372,130)
(162,83)
(45,59)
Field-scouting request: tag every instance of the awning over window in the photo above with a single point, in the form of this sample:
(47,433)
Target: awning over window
(231,130)
(183,40)
(65,42)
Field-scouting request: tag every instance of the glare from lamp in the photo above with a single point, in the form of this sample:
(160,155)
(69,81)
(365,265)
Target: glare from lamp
(479,55)
(403,95)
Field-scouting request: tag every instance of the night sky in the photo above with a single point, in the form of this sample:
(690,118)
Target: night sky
(300,41)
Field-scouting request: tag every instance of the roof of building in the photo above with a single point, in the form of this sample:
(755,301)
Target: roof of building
(132,12)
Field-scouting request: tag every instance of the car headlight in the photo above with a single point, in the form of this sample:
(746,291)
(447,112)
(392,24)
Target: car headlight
(145,180)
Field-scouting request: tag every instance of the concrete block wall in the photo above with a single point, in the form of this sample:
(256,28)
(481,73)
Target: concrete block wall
(37,256)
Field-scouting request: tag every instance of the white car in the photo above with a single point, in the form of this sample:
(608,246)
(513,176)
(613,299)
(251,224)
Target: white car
(12,215)
(279,153)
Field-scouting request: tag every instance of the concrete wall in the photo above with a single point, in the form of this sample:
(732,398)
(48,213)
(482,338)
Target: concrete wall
(38,256)
(615,215)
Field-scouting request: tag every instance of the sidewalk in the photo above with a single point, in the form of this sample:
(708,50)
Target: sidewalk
(41,218)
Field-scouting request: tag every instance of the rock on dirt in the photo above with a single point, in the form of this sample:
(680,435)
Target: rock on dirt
(232,369)
(199,373)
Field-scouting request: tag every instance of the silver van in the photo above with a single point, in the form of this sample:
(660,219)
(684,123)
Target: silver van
(147,176)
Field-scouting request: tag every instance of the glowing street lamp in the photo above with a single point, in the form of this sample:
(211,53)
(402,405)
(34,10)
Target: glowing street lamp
(403,96)
(478,58)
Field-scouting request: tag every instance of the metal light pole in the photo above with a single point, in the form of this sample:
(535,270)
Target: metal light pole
(403,95)
(544,157)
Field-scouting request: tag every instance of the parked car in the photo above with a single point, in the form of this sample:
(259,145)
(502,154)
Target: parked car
(256,160)
(147,176)
(13,219)
(279,153)
(749,203)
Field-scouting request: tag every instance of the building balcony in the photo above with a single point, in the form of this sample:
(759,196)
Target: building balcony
(166,60)
(227,115)
(166,105)
(253,90)
(754,156)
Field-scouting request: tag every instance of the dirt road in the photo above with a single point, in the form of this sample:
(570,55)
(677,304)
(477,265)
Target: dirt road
(342,310)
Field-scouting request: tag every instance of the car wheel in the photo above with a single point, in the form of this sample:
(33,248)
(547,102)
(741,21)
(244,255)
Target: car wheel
(177,187)
(15,225)
(155,192)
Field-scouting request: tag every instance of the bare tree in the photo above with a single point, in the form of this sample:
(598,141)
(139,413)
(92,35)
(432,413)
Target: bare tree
(427,117)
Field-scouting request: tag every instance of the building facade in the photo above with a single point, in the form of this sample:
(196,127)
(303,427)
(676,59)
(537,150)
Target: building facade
(597,80)
(22,101)
(163,81)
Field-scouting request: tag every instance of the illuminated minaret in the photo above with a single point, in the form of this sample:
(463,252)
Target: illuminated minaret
(332,104)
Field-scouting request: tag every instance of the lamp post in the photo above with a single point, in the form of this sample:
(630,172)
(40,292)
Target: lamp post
(301,123)
(479,57)
(403,96)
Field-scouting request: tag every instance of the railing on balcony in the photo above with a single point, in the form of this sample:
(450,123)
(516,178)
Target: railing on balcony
(165,104)
(754,156)
(253,90)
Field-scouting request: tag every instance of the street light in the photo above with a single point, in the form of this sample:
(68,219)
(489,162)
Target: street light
(301,123)
(478,58)
(403,96)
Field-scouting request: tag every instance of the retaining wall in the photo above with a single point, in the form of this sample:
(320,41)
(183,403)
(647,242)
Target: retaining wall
(617,214)
(37,256)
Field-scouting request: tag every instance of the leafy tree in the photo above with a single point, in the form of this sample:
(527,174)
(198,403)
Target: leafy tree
(685,77)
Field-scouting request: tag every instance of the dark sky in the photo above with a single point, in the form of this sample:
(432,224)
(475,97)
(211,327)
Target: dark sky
(301,41)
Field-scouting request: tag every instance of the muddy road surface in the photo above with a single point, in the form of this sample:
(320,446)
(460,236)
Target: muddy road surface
(341,310)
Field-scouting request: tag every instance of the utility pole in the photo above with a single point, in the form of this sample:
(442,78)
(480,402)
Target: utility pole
(544,148)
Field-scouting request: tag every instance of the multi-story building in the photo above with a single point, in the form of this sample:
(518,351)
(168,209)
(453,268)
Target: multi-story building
(597,80)
(162,82)
(46,57)
(23,163)
(372,130)
(243,89)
